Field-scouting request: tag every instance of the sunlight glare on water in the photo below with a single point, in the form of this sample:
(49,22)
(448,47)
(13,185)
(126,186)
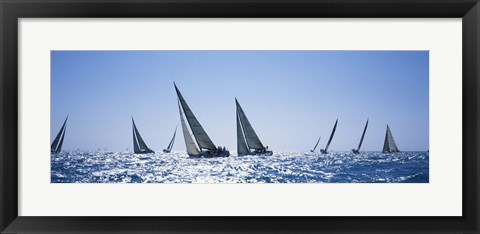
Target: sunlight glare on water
(288,167)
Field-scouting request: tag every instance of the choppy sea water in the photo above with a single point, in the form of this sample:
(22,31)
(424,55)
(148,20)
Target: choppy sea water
(338,167)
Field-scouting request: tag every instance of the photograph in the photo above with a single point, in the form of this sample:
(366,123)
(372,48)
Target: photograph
(239,116)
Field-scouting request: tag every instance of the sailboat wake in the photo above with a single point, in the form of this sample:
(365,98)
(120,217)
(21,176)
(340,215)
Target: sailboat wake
(291,167)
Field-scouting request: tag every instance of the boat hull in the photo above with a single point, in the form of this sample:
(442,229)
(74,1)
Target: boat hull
(323,151)
(390,151)
(166,151)
(145,152)
(355,151)
(211,154)
(266,153)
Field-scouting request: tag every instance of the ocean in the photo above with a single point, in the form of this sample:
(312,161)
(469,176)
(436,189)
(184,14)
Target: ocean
(286,167)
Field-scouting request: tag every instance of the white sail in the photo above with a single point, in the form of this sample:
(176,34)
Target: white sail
(170,145)
(389,144)
(138,142)
(242,147)
(136,148)
(189,143)
(141,142)
(253,142)
(203,140)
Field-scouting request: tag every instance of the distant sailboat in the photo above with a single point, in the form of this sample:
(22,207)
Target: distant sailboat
(357,150)
(247,139)
(389,146)
(313,150)
(139,146)
(325,151)
(205,148)
(170,145)
(56,146)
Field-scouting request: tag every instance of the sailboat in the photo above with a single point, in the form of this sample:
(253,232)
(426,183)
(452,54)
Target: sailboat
(313,150)
(357,150)
(170,145)
(325,151)
(389,145)
(139,146)
(205,148)
(57,143)
(247,139)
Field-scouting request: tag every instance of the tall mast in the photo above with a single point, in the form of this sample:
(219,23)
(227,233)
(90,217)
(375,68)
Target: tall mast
(201,137)
(316,144)
(363,135)
(170,145)
(242,147)
(189,143)
(141,143)
(136,149)
(58,141)
(331,135)
(389,144)
(253,142)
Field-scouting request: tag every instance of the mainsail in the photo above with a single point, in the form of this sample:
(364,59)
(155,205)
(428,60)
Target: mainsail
(56,146)
(363,135)
(199,133)
(170,145)
(389,146)
(252,140)
(242,147)
(189,143)
(331,135)
(313,150)
(139,145)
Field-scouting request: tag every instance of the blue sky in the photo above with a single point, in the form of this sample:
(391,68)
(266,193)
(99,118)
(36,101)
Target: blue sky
(290,97)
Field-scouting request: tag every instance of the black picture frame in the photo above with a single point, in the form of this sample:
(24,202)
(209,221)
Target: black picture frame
(12,10)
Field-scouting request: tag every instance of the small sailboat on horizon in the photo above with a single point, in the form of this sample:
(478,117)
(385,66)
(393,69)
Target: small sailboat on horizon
(139,146)
(325,151)
(247,138)
(389,145)
(205,148)
(170,145)
(57,143)
(313,150)
(357,150)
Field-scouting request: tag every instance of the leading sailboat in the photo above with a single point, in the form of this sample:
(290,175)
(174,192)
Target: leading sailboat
(357,150)
(139,146)
(170,145)
(389,145)
(57,143)
(247,139)
(325,151)
(205,148)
